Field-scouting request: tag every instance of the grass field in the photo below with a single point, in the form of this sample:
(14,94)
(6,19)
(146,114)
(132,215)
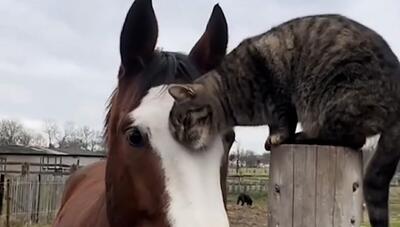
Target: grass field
(243,216)
(256,216)
(392,224)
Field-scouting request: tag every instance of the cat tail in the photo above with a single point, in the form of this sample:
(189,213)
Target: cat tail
(379,173)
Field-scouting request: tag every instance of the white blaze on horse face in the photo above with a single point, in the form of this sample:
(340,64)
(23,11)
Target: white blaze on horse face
(192,177)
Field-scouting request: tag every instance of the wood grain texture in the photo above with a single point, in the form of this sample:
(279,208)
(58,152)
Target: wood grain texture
(304,163)
(313,186)
(281,188)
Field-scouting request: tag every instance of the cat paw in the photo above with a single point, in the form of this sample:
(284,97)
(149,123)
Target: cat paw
(274,139)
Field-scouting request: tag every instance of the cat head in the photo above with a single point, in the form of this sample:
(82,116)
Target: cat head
(196,116)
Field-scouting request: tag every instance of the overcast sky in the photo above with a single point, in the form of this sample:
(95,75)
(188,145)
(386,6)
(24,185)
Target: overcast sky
(59,59)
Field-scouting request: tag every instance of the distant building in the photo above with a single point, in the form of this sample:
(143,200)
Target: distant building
(16,159)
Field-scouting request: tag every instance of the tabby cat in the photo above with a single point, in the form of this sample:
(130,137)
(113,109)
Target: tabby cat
(336,77)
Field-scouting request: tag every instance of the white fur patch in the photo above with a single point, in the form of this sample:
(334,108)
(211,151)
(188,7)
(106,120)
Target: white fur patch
(192,178)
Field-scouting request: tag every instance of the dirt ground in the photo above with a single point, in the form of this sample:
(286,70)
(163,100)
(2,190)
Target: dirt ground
(254,216)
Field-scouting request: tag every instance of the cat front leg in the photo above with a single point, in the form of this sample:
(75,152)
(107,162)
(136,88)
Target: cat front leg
(277,137)
(281,129)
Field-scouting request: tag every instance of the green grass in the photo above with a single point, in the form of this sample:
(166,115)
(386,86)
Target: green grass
(392,224)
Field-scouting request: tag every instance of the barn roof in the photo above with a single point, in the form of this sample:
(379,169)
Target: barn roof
(40,151)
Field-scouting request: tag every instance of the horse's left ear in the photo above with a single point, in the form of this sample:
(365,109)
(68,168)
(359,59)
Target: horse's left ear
(138,36)
(211,48)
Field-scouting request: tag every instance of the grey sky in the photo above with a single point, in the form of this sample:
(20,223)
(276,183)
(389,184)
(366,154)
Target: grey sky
(59,59)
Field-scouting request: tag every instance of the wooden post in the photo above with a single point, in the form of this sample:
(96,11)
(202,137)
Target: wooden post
(8,203)
(2,189)
(38,199)
(314,186)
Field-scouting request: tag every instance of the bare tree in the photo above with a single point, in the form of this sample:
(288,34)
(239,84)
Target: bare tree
(238,156)
(96,141)
(86,135)
(52,131)
(83,138)
(25,137)
(250,158)
(91,139)
(38,140)
(69,135)
(9,131)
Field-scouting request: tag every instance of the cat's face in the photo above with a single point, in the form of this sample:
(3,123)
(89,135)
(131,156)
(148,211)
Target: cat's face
(194,115)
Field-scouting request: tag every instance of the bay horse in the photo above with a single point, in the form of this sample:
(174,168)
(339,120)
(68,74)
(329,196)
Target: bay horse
(148,179)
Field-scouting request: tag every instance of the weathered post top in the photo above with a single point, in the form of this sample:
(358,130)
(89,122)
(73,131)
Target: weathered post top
(315,186)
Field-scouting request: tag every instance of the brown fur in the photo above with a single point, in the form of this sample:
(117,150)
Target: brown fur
(128,189)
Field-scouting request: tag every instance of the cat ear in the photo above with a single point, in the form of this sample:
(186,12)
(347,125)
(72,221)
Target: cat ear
(138,36)
(181,92)
(211,47)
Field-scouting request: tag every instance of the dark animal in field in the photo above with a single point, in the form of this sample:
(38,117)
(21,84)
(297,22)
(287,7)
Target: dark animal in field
(244,199)
(335,76)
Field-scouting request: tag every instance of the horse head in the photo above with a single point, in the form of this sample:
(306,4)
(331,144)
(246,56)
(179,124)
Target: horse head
(151,180)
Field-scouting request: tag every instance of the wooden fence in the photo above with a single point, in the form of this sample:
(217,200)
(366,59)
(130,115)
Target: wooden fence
(31,199)
(248,184)
(252,188)
(306,184)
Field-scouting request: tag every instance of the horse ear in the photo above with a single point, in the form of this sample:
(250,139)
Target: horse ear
(211,47)
(138,36)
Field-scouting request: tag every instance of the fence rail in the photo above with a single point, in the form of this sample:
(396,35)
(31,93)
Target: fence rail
(245,183)
(238,188)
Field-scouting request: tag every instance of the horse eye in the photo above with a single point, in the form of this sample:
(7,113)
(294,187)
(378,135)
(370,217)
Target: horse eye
(135,137)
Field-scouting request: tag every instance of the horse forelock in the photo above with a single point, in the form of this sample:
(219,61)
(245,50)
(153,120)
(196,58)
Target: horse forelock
(165,68)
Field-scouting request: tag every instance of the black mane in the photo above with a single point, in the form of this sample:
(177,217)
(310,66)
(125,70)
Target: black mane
(165,68)
(168,67)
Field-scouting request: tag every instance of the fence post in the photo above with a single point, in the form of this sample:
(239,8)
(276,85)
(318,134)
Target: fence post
(313,186)
(38,199)
(8,198)
(2,189)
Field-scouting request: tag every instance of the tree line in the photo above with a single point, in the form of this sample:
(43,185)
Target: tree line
(69,137)
(249,158)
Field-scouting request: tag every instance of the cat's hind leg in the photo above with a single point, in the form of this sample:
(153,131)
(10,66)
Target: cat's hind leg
(379,173)
(348,121)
